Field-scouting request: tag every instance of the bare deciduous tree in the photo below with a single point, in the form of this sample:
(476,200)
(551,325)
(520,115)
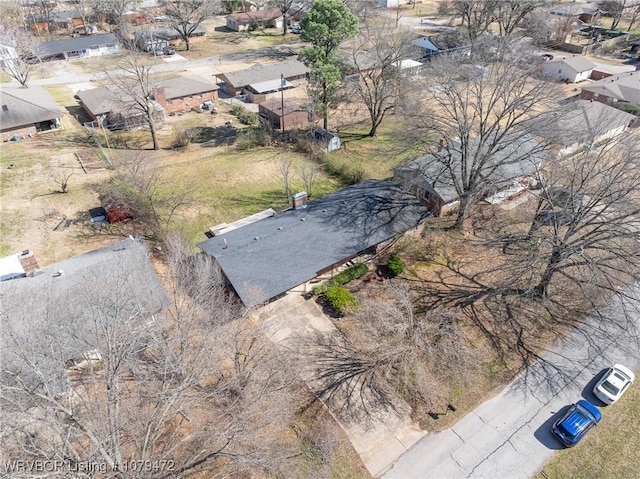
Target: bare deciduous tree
(135,86)
(140,188)
(105,377)
(397,347)
(22,64)
(288,8)
(482,116)
(185,16)
(382,84)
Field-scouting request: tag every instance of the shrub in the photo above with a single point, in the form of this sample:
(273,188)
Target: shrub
(180,139)
(251,138)
(245,117)
(340,299)
(395,265)
(320,289)
(354,272)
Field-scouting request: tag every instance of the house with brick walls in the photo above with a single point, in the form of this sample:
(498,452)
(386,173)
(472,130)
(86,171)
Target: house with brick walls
(184,94)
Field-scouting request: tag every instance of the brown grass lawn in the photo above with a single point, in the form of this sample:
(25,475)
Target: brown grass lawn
(610,451)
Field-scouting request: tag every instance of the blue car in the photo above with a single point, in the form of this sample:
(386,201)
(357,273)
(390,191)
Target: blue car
(577,422)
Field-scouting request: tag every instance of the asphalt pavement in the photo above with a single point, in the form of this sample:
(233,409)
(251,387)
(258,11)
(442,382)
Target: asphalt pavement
(508,436)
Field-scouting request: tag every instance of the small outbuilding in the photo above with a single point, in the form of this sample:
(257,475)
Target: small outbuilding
(329,141)
(295,115)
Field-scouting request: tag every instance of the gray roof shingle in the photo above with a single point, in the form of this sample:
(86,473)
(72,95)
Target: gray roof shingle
(26,106)
(179,87)
(290,68)
(517,155)
(52,315)
(267,258)
(58,47)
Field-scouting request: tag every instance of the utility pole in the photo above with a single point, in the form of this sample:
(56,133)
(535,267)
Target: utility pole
(282,101)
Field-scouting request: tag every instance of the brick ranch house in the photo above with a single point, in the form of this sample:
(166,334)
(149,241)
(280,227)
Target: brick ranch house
(265,258)
(243,22)
(263,80)
(183,94)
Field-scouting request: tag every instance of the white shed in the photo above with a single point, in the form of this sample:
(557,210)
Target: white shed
(330,141)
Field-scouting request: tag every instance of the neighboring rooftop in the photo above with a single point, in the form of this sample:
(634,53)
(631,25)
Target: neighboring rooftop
(260,72)
(290,105)
(258,16)
(27,106)
(623,87)
(179,87)
(586,120)
(517,155)
(55,307)
(577,63)
(269,257)
(58,47)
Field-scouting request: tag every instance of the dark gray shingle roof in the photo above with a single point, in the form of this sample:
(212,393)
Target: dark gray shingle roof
(26,106)
(273,255)
(58,47)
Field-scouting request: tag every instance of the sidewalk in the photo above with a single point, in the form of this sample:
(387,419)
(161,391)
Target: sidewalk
(388,434)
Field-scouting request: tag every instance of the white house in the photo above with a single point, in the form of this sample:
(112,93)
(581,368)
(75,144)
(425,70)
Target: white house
(8,53)
(78,47)
(571,69)
(585,124)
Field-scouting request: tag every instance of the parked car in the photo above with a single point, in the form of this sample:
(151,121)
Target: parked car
(577,422)
(613,383)
(295,28)
(169,50)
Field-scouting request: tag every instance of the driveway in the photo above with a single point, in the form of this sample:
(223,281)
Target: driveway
(379,436)
(509,435)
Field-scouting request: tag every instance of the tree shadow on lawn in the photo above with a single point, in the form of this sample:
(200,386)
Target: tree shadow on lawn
(208,136)
(261,199)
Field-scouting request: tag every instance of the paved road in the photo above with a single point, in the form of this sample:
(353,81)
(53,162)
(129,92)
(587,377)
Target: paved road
(509,436)
(281,51)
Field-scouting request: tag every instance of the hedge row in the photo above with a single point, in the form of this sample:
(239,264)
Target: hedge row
(354,272)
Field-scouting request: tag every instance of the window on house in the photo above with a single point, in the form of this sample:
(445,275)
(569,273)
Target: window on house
(199,95)
(5,108)
(169,102)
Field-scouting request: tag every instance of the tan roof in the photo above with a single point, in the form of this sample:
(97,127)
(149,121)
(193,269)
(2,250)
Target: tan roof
(253,17)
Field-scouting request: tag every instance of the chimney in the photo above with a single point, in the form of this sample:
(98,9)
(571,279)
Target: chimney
(299,200)
(159,96)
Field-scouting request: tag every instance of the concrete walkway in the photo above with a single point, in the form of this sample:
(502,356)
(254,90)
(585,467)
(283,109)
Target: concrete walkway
(387,434)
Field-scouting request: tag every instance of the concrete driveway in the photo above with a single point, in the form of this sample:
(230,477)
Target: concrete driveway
(379,436)
(509,436)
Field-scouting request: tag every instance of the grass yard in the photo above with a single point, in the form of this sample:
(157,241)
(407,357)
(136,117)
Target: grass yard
(372,157)
(610,451)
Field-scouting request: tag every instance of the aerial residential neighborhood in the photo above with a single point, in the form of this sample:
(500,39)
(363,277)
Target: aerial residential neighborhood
(320,239)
